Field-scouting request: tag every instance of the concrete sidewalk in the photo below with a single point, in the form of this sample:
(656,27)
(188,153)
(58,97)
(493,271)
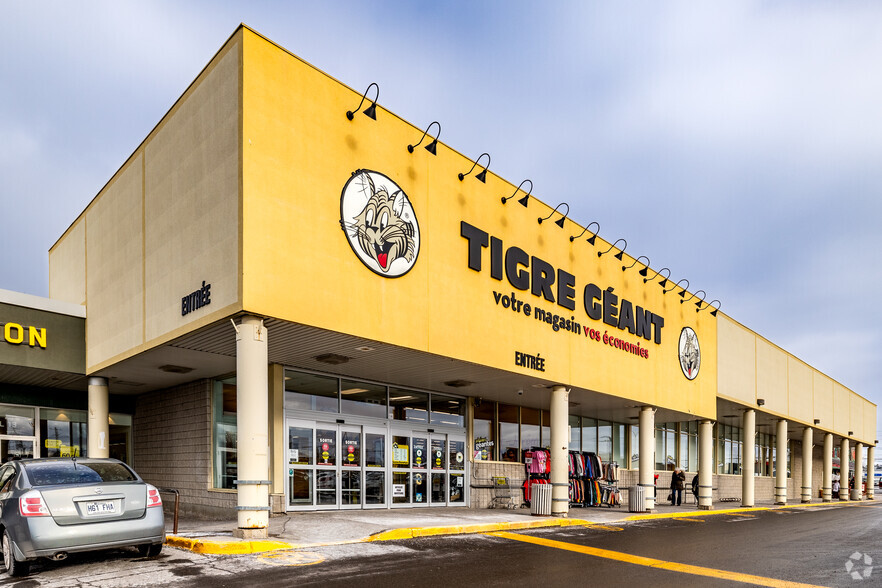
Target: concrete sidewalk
(314,529)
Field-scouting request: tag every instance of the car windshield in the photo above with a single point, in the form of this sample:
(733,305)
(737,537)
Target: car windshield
(71,472)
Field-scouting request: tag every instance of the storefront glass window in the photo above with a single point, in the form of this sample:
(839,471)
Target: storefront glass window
(718,448)
(529,429)
(683,462)
(575,433)
(604,438)
(670,445)
(447,410)
(692,466)
(16,421)
(484,431)
(508,433)
(363,399)
(619,443)
(63,433)
(374,450)
(309,392)
(589,435)
(120,436)
(224,412)
(457,455)
(16,449)
(634,448)
(409,405)
(660,447)
(545,430)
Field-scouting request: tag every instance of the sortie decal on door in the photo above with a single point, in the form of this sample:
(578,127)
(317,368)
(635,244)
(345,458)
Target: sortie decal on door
(379,223)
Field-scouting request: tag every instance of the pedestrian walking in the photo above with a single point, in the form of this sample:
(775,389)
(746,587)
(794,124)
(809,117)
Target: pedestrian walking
(678,484)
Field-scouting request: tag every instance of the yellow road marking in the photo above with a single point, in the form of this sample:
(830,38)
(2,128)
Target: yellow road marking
(605,527)
(692,520)
(742,514)
(654,563)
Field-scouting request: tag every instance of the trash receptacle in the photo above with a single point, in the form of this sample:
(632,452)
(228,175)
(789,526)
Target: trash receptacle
(637,499)
(540,499)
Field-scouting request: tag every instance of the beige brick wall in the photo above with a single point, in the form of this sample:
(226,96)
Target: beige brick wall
(172,448)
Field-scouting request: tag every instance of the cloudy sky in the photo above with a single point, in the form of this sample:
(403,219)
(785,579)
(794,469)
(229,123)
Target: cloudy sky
(737,143)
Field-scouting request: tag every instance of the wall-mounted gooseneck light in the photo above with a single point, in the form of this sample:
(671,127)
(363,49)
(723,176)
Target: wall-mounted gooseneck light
(698,304)
(664,280)
(710,305)
(677,284)
(645,269)
(592,237)
(431,147)
(526,197)
(559,222)
(613,246)
(370,111)
(482,175)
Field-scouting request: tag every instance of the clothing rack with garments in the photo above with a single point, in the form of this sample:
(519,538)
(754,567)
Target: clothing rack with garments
(537,463)
(585,473)
(610,495)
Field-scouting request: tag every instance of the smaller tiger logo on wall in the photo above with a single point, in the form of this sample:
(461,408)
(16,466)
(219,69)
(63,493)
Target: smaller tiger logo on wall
(690,353)
(379,223)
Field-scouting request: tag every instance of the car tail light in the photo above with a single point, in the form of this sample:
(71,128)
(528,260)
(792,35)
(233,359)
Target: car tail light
(153,497)
(32,505)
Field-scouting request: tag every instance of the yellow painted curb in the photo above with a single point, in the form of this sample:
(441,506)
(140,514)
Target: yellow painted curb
(222,547)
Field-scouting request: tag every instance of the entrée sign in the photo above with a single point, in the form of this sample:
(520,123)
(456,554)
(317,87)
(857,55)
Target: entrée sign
(525,272)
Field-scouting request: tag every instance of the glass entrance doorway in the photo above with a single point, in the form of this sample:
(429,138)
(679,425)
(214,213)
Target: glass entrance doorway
(349,466)
(336,466)
(428,469)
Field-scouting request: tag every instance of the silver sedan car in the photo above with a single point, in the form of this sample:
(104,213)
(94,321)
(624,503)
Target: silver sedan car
(52,507)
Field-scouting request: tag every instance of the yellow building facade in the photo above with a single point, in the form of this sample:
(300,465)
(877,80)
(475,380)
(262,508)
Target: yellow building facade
(406,304)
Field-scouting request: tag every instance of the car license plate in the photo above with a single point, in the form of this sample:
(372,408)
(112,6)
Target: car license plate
(100,507)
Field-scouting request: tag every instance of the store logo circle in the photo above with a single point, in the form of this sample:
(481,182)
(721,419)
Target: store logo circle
(379,223)
(690,353)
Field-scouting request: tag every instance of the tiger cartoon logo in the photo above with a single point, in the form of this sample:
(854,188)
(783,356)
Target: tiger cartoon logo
(379,223)
(690,353)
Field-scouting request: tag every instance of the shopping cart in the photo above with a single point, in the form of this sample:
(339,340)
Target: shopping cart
(504,494)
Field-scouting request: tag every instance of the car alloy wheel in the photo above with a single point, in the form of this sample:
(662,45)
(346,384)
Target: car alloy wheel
(13,567)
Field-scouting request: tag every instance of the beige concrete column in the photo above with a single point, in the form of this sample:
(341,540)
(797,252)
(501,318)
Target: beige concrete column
(748,422)
(827,484)
(560,502)
(98,422)
(252,435)
(844,469)
(856,494)
(646,463)
(781,463)
(705,465)
(806,494)
(871,472)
